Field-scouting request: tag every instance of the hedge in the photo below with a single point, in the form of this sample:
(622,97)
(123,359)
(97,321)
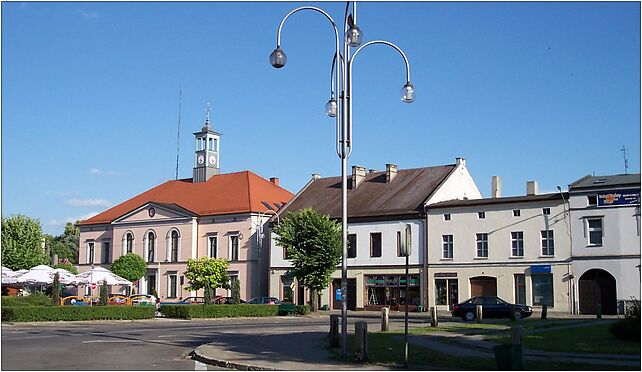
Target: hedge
(36,299)
(626,329)
(217,311)
(58,313)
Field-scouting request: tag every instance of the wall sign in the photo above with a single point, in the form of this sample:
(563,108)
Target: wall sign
(445,275)
(540,269)
(621,197)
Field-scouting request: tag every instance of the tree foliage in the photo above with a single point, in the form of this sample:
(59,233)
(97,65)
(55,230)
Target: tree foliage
(236,290)
(313,243)
(66,244)
(22,243)
(207,272)
(67,266)
(104,294)
(130,266)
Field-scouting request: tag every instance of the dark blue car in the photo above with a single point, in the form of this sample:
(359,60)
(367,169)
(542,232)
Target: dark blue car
(492,307)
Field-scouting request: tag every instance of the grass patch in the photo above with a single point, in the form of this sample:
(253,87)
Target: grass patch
(583,339)
(36,299)
(387,349)
(461,328)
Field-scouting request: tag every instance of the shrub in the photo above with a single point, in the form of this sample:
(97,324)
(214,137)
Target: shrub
(302,309)
(58,313)
(218,311)
(626,329)
(36,299)
(104,295)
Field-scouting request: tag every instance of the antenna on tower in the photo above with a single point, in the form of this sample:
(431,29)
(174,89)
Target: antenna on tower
(626,160)
(178,126)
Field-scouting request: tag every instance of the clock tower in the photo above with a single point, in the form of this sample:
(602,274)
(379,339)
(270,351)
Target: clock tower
(206,162)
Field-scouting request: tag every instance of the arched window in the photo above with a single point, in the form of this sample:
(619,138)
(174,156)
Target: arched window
(129,243)
(151,246)
(174,244)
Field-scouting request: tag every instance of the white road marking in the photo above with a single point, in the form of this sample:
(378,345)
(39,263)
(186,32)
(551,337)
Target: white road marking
(108,341)
(198,366)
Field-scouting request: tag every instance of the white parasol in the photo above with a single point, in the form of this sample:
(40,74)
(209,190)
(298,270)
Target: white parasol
(41,274)
(98,275)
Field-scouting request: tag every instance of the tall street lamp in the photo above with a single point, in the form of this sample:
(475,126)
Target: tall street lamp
(341,80)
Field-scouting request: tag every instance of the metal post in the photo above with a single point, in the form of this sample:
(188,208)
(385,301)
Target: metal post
(405,357)
(334,330)
(479,313)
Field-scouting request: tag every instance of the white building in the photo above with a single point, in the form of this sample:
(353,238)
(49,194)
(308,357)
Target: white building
(380,204)
(605,225)
(517,248)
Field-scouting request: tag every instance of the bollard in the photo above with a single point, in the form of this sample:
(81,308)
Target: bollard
(516,336)
(434,321)
(334,330)
(385,319)
(479,313)
(361,341)
(544,312)
(599,311)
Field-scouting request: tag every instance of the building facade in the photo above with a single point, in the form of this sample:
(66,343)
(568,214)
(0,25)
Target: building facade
(381,206)
(209,215)
(517,248)
(605,225)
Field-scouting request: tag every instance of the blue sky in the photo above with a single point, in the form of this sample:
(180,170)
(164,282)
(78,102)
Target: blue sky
(528,91)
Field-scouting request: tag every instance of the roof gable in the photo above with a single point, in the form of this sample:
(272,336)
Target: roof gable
(155,212)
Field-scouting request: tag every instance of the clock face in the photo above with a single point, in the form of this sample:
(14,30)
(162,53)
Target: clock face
(200,159)
(212,159)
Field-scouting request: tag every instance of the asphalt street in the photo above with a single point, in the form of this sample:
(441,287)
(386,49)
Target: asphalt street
(159,344)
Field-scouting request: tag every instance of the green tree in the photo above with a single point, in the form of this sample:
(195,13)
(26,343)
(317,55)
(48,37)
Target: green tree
(67,266)
(313,243)
(130,266)
(55,246)
(22,243)
(71,239)
(208,273)
(236,290)
(104,295)
(55,290)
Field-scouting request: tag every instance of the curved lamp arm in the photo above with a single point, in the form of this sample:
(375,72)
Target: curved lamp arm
(351,61)
(337,44)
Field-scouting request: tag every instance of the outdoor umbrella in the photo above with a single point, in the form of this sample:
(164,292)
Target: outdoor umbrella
(41,274)
(99,275)
(8,276)
(65,276)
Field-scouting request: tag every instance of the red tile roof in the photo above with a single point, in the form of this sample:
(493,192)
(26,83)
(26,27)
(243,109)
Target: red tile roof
(240,192)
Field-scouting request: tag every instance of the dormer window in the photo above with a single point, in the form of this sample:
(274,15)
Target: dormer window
(481,215)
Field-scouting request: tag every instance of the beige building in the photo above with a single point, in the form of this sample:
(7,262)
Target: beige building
(517,248)
(209,215)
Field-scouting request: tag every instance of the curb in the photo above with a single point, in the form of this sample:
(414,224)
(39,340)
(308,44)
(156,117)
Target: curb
(196,355)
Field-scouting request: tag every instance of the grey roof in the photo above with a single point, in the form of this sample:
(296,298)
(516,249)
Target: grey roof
(500,200)
(374,197)
(619,180)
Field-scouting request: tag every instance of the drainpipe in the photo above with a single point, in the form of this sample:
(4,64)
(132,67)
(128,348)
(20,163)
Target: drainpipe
(426,281)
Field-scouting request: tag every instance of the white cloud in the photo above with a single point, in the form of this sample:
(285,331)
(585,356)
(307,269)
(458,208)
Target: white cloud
(86,14)
(88,202)
(98,172)
(62,222)
(57,193)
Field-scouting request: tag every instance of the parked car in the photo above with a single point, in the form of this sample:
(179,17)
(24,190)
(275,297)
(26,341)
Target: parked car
(224,301)
(264,300)
(492,307)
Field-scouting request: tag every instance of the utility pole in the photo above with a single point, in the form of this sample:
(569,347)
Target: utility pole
(626,161)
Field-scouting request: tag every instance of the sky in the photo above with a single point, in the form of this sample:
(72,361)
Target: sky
(526,91)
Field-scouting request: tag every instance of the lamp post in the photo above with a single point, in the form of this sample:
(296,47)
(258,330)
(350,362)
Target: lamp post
(341,80)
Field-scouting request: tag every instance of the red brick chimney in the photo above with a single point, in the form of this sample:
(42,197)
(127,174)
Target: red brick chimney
(275,180)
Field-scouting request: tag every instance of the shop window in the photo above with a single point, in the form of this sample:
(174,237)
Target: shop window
(446,292)
(542,289)
(287,292)
(390,290)
(375,244)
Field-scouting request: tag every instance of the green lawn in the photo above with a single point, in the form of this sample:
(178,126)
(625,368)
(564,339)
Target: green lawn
(582,339)
(386,349)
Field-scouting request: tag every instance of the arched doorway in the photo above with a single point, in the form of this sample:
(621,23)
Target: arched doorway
(483,286)
(597,286)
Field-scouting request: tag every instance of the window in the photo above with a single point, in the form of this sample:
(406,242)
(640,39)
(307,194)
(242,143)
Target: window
(150,246)
(234,248)
(546,211)
(352,245)
(481,215)
(520,289)
(174,246)
(542,289)
(129,243)
(482,245)
(375,245)
(447,217)
(591,200)
(90,252)
(209,145)
(448,246)
(286,256)
(212,246)
(548,247)
(171,285)
(517,213)
(287,292)
(594,227)
(517,243)
(446,292)
(106,252)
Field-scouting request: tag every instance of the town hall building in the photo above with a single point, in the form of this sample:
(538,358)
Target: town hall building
(212,214)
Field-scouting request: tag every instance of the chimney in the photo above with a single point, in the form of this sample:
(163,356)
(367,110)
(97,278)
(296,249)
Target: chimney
(531,188)
(460,161)
(496,187)
(391,172)
(316,176)
(275,180)
(358,175)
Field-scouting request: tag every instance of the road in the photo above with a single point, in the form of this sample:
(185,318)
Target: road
(159,344)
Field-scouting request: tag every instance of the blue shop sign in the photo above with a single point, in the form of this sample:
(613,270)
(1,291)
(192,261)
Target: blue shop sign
(540,269)
(337,294)
(620,197)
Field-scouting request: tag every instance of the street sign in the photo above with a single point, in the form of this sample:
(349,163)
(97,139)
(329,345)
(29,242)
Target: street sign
(406,240)
(337,294)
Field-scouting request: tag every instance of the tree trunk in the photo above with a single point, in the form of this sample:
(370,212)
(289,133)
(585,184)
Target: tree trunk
(314,304)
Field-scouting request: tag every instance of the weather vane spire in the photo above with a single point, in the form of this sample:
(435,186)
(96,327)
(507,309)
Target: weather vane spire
(208,110)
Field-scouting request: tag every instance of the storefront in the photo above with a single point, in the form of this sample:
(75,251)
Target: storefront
(390,291)
(446,289)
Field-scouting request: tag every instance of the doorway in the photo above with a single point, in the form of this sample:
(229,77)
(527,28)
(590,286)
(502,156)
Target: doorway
(597,286)
(520,289)
(483,286)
